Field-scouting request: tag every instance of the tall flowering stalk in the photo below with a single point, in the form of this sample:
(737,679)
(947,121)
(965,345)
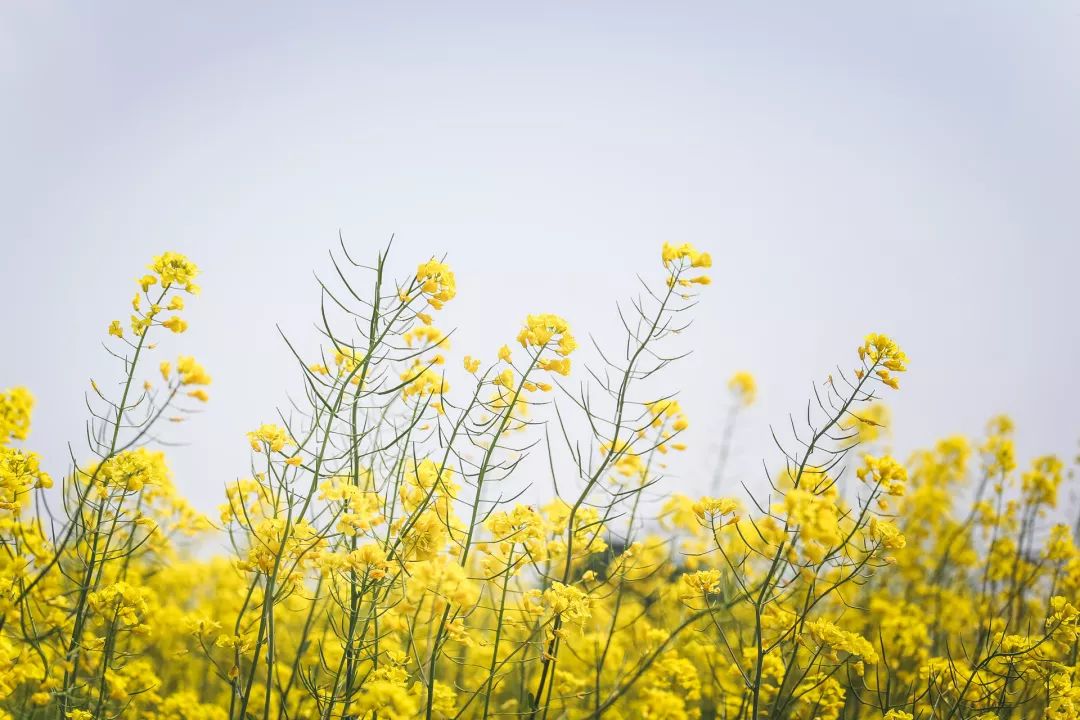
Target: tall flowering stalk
(74,590)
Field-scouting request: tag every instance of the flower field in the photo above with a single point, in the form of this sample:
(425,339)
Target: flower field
(381,561)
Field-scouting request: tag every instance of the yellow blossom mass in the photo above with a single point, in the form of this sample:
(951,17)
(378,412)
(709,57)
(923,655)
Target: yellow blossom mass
(398,550)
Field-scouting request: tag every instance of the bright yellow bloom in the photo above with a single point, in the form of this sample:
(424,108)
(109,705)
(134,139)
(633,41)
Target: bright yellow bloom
(886,533)
(20,472)
(672,254)
(743,387)
(427,335)
(127,602)
(881,353)
(816,518)
(539,331)
(712,508)
(132,470)
(174,269)
(16,405)
(898,715)
(1040,484)
(568,603)
(268,435)
(883,472)
(560,366)
(832,641)
(191,372)
(669,418)
(176,323)
(421,380)
(436,282)
(703,582)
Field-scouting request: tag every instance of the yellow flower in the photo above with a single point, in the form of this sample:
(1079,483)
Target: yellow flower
(132,470)
(540,330)
(16,405)
(191,372)
(710,508)
(898,715)
(504,353)
(116,329)
(743,387)
(831,640)
(703,582)
(816,517)
(471,364)
(427,335)
(885,533)
(176,323)
(672,410)
(273,436)
(882,352)
(20,472)
(421,380)
(127,602)
(173,269)
(1040,484)
(884,472)
(560,366)
(568,603)
(672,255)
(436,283)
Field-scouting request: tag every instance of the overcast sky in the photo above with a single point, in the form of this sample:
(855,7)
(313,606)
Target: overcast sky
(910,168)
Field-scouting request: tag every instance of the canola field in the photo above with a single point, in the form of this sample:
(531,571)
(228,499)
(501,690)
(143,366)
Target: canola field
(381,564)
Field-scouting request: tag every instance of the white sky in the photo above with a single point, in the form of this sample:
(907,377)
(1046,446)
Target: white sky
(911,169)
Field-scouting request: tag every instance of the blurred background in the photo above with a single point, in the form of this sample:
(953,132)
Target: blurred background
(911,169)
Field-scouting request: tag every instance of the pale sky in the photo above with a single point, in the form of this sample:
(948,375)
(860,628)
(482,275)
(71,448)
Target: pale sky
(909,168)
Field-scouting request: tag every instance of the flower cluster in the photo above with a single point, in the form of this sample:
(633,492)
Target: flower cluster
(269,436)
(16,404)
(882,356)
(436,282)
(547,332)
(684,254)
(885,473)
(20,472)
(172,275)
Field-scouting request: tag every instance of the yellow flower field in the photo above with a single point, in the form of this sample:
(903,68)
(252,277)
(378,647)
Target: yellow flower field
(382,564)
